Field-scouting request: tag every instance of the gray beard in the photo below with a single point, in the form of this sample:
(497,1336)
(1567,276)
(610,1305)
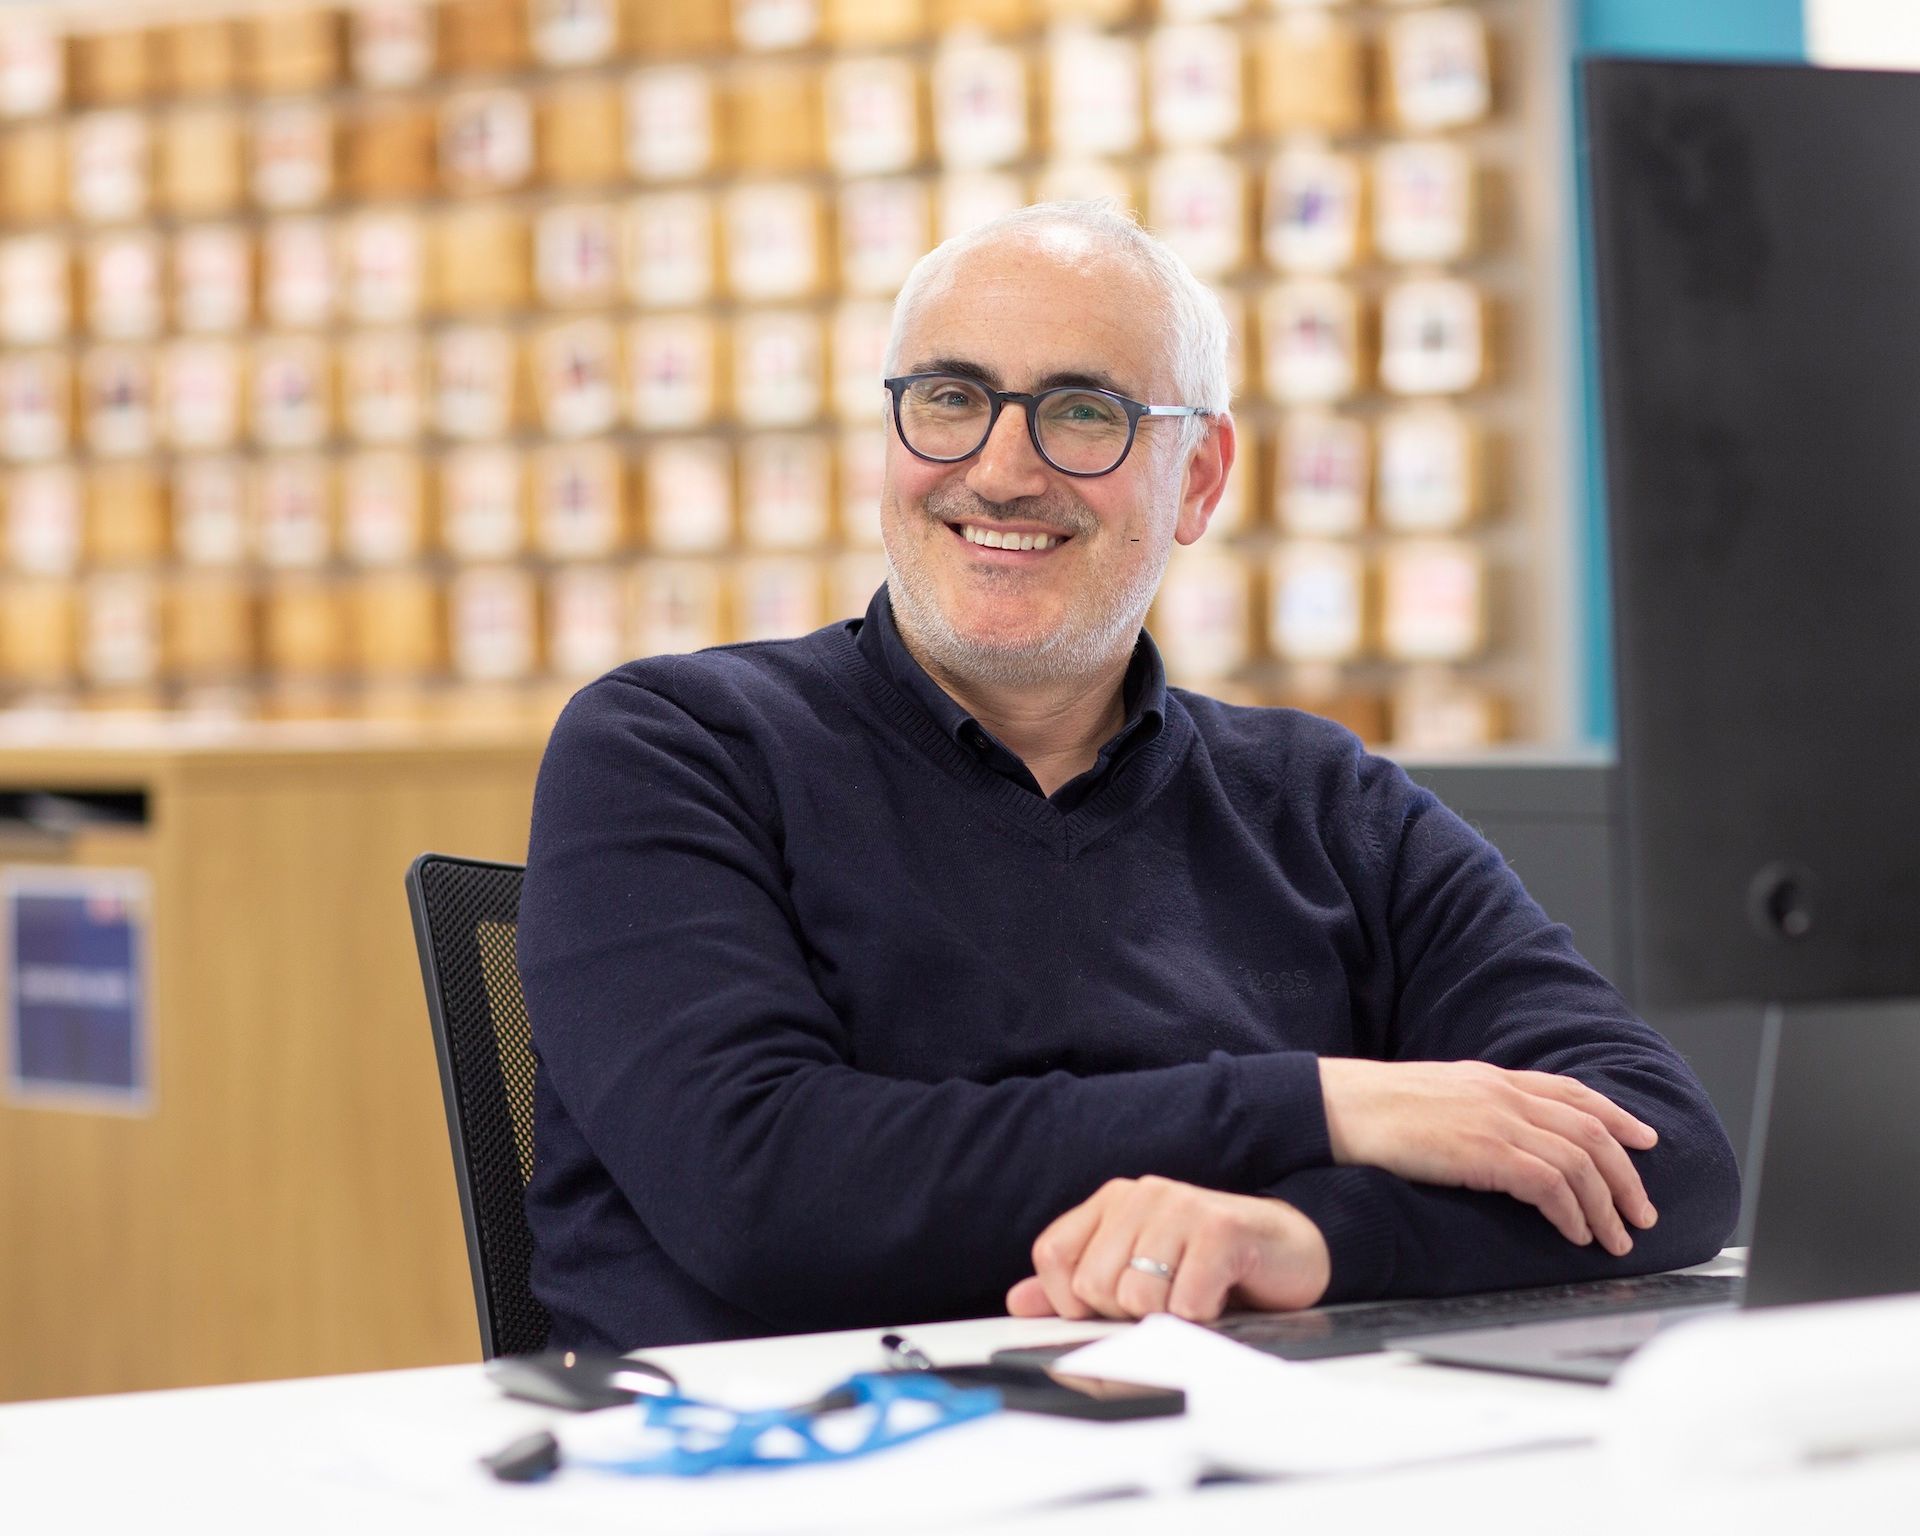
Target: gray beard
(1069,653)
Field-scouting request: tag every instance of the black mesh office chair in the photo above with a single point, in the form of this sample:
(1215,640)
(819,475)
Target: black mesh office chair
(465,913)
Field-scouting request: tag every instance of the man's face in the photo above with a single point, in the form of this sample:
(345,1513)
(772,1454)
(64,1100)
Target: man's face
(1026,314)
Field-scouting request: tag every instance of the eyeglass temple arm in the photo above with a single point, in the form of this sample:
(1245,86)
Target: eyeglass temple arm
(1175,410)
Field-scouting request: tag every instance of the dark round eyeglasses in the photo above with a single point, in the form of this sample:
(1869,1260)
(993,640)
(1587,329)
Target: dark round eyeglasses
(944,418)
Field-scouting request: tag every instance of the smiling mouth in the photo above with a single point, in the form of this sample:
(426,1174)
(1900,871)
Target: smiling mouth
(1013,540)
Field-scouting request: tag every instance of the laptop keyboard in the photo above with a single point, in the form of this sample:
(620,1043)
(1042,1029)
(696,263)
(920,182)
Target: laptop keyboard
(1362,1327)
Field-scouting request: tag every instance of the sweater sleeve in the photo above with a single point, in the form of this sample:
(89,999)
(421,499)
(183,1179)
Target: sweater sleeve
(674,1012)
(1479,972)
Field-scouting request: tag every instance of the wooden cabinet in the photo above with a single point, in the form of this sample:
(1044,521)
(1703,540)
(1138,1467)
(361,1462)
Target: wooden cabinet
(286,1206)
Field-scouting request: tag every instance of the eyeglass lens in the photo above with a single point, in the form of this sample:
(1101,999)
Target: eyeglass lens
(1080,431)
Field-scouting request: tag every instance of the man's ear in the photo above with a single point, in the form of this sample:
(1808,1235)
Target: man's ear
(1205,477)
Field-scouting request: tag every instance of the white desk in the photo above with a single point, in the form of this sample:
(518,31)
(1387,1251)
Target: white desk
(347,1453)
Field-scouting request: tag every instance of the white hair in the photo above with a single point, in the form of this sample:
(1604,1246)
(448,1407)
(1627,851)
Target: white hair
(1196,326)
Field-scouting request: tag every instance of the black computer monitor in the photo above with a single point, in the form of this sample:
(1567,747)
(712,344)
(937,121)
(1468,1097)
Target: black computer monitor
(1757,240)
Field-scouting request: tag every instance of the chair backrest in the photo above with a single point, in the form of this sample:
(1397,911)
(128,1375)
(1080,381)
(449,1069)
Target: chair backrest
(465,913)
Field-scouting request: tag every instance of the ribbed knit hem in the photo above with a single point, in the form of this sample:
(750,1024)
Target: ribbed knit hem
(1346,1204)
(1283,1115)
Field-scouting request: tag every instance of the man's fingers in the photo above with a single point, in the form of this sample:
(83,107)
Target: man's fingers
(1205,1276)
(1536,1181)
(1589,1189)
(1628,1129)
(1104,1259)
(1056,1254)
(1592,1136)
(1139,1292)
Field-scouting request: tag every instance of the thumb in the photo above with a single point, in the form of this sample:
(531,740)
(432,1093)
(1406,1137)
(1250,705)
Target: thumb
(1029,1299)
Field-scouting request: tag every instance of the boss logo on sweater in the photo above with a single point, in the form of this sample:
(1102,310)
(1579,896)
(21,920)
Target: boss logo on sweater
(1297,983)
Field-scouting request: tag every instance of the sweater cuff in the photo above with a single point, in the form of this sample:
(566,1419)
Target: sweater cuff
(1348,1207)
(1282,1115)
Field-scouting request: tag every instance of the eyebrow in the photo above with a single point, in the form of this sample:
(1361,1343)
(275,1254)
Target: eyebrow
(1068,379)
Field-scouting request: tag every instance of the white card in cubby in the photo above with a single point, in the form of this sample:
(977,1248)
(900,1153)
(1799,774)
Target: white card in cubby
(576,370)
(1310,341)
(785,488)
(573,31)
(293,509)
(36,404)
(1093,93)
(116,400)
(32,75)
(1321,487)
(210,523)
(669,122)
(1203,614)
(766,24)
(1433,600)
(576,254)
(689,496)
(298,287)
(486,140)
(1197,203)
(292,154)
(120,628)
(391,42)
(1423,201)
(1313,210)
(964,200)
(778,367)
(776,597)
(860,464)
(125,296)
(1084,181)
(578,501)
(382,508)
(36,289)
(1316,602)
(382,396)
(473,381)
(109,166)
(1432,336)
(884,230)
(873,115)
(384,259)
(676,607)
(1195,72)
(212,278)
(291,399)
(586,620)
(492,616)
(861,331)
(773,239)
(979,103)
(200,393)
(1436,711)
(853,576)
(1429,457)
(670,371)
(668,250)
(45,520)
(481,504)
(1436,68)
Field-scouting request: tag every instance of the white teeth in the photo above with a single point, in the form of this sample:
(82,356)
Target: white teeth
(993,538)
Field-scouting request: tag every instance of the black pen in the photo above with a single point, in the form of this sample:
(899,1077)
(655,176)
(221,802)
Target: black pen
(903,1354)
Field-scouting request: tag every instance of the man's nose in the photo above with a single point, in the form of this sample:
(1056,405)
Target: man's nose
(1007,467)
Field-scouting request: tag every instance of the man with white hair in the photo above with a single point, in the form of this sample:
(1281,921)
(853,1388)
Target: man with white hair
(948,959)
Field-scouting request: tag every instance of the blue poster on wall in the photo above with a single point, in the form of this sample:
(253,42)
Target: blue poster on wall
(75,957)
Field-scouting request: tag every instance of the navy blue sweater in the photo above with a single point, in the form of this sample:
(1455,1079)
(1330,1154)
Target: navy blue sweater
(834,1014)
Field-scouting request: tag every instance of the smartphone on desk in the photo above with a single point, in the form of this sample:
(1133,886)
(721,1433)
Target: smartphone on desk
(1035,1389)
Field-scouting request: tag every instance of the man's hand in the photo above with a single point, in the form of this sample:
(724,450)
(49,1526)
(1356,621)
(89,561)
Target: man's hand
(1544,1139)
(1219,1248)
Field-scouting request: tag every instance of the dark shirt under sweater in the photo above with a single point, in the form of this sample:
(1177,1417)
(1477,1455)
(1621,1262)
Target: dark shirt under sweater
(834,1013)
